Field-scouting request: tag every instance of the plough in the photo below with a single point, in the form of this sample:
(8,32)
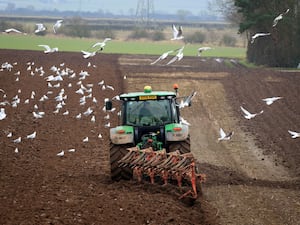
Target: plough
(167,166)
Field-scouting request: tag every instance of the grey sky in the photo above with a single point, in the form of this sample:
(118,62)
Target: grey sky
(114,6)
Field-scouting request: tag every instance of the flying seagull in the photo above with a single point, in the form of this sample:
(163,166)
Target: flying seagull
(271,100)
(279,17)
(88,54)
(101,45)
(13,30)
(294,134)
(224,136)
(178,56)
(177,34)
(57,25)
(162,57)
(249,115)
(40,28)
(48,49)
(202,49)
(258,35)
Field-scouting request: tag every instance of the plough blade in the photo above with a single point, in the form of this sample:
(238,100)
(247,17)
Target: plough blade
(167,166)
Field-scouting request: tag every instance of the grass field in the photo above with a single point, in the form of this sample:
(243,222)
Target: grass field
(31,42)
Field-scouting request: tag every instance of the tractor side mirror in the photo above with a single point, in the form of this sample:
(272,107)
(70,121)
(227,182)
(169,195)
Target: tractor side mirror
(108,105)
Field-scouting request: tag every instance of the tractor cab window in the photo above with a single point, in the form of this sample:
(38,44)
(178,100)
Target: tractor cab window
(148,113)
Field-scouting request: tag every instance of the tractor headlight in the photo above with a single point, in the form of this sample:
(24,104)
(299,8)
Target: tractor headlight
(121,135)
(177,132)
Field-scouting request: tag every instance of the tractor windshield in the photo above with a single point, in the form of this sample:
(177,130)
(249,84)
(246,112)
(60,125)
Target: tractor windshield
(149,113)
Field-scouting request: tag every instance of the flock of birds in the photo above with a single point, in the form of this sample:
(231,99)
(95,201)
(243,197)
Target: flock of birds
(275,22)
(248,115)
(55,95)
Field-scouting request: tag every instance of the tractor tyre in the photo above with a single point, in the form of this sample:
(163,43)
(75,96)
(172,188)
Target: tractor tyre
(117,152)
(182,146)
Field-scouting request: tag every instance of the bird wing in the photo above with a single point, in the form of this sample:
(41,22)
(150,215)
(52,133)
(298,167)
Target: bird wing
(222,133)
(245,111)
(175,31)
(47,48)
(172,60)
(157,60)
(180,31)
(294,134)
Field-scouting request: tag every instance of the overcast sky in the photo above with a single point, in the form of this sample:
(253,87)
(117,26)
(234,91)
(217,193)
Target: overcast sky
(114,6)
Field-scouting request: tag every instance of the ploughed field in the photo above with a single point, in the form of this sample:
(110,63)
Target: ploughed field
(251,179)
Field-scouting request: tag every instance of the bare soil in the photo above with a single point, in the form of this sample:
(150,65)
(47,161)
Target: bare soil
(251,179)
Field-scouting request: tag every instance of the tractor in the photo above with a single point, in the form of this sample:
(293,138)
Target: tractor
(152,139)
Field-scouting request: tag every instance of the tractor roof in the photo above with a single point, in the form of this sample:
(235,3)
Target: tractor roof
(143,96)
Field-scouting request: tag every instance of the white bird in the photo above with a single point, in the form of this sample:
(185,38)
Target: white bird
(2,114)
(86,139)
(40,28)
(224,136)
(88,54)
(279,17)
(202,49)
(101,45)
(294,134)
(258,35)
(93,119)
(162,57)
(72,150)
(178,56)
(249,115)
(62,153)
(48,49)
(177,34)
(78,116)
(88,111)
(57,25)
(9,135)
(100,136)
(18,140)
(107,125)
(38,115)
(16,150)
(13,30)
(31,136)
(271,100)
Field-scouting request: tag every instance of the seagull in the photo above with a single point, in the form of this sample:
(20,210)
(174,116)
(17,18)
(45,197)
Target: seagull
(177,34)
(279,17)
(31,136)
(61,153)
(249,115)
(88,111)
(271,100)
(294,134)
(72,150)
(57,25)
(186,101)
(201,49)
(38,115)
(258,35)
(178,56)
(2,114)
(18,140)
(40,28)
(88,54)
(101,45)
(13,30)
(86,139)
(48,49)
(224,136)
(162,57)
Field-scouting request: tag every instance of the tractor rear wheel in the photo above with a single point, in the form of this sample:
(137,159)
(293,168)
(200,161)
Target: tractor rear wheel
(117,152)
(182,146)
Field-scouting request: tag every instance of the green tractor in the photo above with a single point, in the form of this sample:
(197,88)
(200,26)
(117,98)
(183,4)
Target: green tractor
(148,119)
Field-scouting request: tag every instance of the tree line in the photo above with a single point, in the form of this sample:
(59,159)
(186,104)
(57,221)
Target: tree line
(281,48)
